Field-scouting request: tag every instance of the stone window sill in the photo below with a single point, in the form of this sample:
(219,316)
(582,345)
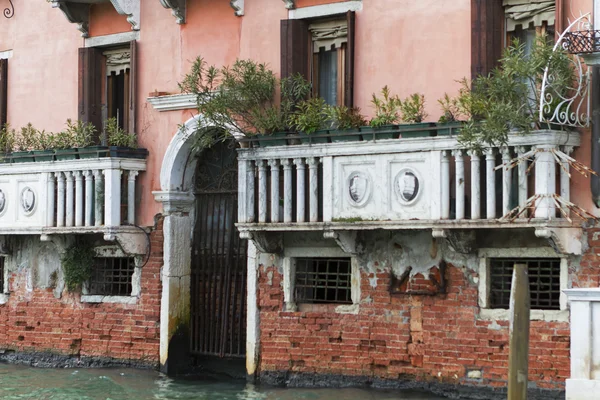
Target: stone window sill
(4,298)
(109,299)
(490,314)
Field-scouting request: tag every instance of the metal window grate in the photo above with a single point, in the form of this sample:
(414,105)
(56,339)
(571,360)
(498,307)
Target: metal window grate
(1,274)
(544,282)
(323,280)
(112,276)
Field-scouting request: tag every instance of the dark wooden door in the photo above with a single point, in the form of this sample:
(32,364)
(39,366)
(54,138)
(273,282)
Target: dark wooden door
(219,262)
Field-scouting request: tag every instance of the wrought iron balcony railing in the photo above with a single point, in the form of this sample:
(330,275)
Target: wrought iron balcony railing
(582,42)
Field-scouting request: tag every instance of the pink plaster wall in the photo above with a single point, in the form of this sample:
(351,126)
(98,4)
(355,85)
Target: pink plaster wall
(411,46)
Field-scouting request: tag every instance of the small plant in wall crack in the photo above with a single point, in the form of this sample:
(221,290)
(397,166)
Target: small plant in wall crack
(77,262)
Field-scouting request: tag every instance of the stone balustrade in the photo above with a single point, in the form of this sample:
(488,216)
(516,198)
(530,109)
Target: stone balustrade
(74,196)
(427,181)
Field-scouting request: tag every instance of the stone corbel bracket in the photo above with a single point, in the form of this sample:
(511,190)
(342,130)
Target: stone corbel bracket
(345,239)
(238,7)
(130,8)
(460,241)
(290,4)
(76,13)
(178,8)
(563,240)
(265,242)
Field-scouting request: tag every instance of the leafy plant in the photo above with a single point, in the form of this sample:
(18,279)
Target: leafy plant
(77,262)
(62,140)
(26,140)
(508,98)
(234,98)
(387,108)
(413,108)
(310,115)
(118,136)
(451,109)
(342,117)
(7,139)
(81,133)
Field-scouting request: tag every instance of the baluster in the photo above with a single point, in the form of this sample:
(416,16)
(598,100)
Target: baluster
(250,205)
(262,191)
(89,198)
(50,188)
(565,181)
(490,190)
(79,198)
(460,184)
(522,179)
(99,200)
(288,191)
(475,185)
(313,176)
(274,164)
(70,199)
(242,189)
(506,179)
(60,218)
(545,182)
(131,197)
(445,185)
(300,188)
(112,197)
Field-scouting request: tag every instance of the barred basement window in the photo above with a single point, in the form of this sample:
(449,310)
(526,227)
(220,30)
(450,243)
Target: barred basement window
(544,282)
(112,276)
(323,280)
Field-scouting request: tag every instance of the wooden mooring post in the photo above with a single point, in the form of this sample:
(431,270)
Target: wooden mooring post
(518,357)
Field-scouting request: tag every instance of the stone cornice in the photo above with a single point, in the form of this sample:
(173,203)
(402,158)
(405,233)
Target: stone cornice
(290,4)
(78,12)
(178,9)
(238,7)
(183,101)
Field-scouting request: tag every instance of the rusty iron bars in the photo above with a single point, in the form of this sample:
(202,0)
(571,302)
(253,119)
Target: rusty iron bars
(112,276)
(323,280)
(9,11)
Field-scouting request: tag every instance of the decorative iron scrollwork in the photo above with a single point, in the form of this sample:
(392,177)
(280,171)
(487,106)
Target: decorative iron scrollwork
(217,168)
(9,11)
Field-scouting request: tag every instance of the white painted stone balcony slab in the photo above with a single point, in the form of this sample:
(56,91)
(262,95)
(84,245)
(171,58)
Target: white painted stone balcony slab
(420,183)
(74,196)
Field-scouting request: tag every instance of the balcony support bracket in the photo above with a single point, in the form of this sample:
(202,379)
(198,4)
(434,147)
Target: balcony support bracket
(563,240)
(265,242)
(346,240)
(178,8)
(134,243)
(76,13)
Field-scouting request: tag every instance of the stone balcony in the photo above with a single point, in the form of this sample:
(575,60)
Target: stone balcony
(407,184)
(69,197)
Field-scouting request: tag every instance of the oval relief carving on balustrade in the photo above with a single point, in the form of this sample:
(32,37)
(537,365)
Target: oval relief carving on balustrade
(407,186)
(358,187)
(28,200)
(2,201)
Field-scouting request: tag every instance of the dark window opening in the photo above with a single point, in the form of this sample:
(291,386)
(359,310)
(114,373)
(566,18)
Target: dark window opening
(323,280)
(1,274)
(544,282)
(112,276)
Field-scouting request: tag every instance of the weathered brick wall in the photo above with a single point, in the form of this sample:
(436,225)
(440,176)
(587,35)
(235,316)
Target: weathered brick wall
(35,321)
(431,338)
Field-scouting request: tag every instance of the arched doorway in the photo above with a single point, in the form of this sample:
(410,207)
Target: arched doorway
(219,259)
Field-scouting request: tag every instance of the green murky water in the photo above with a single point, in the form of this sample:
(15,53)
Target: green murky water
(18,382)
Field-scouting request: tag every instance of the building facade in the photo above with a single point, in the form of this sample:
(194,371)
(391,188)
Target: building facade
(373,261)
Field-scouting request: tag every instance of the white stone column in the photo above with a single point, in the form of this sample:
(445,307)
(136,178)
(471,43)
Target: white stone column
(99,199)
(288,191)
(70,199)
(89,198)
(522,180)
(506,180)
(300,188)
(252,312)
(60,214)
(565,180)
(475,185)
(545,182)
(327,188)
(262,191)
(112,197)
(490,173)
(313,176)
(250,179)
(274,164)
(131,196)
(79,200)
(584,383)
(242,189)
(50,190)
(445,185)
(460,183)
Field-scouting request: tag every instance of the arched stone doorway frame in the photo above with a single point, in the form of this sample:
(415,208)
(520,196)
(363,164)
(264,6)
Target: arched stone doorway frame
(177,197)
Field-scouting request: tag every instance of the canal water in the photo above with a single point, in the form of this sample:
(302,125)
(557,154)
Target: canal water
(19,382)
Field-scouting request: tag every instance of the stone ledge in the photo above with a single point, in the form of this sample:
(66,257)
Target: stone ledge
(4,298)
(489,314)
(109,299)
(172,102)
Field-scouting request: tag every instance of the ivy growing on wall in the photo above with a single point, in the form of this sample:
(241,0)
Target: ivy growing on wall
(77,262)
